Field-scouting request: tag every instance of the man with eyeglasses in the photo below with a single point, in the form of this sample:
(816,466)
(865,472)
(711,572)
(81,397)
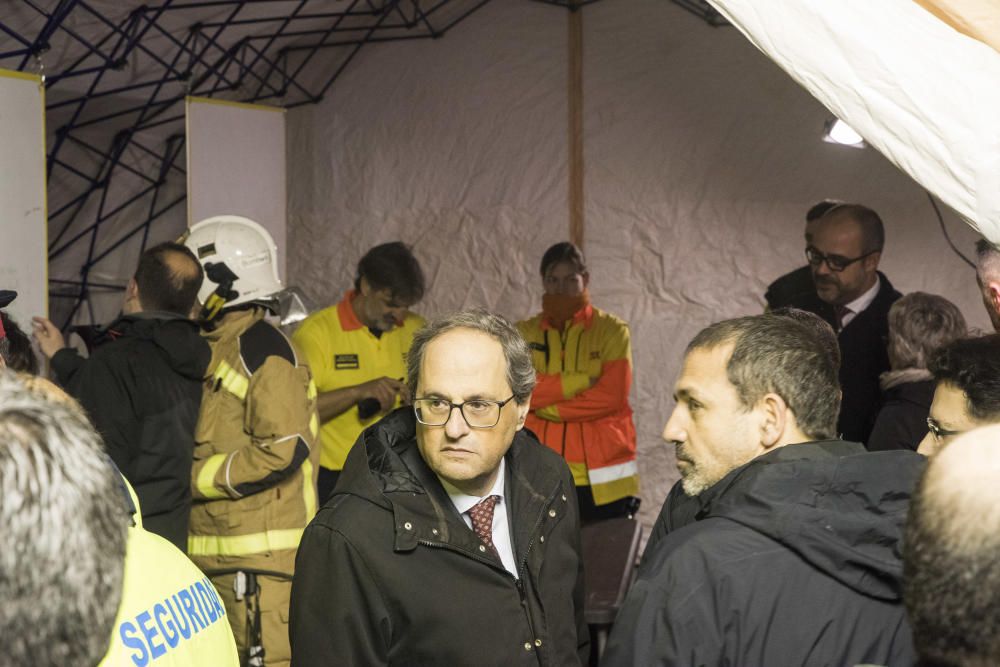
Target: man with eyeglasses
(796,289)
(844,254)
(452,537)
(967,390)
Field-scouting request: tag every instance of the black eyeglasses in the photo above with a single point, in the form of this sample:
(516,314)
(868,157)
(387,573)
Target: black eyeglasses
(835,262)
(477,413)
(940,433)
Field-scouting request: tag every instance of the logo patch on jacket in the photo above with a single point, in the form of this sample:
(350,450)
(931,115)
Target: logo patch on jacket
(344,362)
(595,355)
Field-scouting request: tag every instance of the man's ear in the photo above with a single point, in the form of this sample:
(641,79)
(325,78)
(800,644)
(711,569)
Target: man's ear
(775,416)
(364,287)
(522,413)
(132,298)
(993,294)
(872,260)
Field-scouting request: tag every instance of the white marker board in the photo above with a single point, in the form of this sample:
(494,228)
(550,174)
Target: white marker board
(236,164)
(23,215)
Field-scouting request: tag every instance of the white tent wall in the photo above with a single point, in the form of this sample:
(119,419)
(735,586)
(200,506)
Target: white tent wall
(701,159)
(457,146)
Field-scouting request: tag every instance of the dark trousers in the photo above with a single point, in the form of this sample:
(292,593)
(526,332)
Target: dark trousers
(325,484)
(589,512)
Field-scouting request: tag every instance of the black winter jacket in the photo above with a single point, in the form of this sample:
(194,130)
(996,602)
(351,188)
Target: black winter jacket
(389,574)
(902,421)
(142,390)
(793,559)
(864,356)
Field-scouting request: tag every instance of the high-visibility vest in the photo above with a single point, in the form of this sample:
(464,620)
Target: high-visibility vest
(170,614)
(580,405)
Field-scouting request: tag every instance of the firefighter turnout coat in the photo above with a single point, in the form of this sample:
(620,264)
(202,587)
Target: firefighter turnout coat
(254,474)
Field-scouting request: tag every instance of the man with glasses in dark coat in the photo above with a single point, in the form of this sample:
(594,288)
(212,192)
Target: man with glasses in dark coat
(452,537)
(844,253)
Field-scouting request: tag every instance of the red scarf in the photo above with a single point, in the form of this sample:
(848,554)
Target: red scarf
(560,308)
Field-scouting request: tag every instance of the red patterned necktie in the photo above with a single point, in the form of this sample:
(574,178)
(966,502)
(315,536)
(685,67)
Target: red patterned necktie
(842,312)
(482,521)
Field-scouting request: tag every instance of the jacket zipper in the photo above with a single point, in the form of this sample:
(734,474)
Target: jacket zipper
(522,570)
(576,356)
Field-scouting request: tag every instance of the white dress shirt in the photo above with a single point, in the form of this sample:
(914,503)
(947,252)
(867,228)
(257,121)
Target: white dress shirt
(501,528)
(860,303)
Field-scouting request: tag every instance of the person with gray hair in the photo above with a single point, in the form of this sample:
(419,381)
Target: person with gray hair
(951,571)
(63,519)
(452,537)
(792,557)
(919,324)
(988,279)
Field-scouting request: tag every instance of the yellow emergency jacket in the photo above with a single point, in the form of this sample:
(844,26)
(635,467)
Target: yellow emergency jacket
(170,614)
(580,405)
(254,474)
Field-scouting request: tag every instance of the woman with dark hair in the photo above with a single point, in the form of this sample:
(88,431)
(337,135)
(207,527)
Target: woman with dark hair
(919,323)
(580,408)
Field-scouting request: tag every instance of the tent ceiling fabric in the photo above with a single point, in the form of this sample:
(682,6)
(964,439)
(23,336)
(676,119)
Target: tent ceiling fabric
(920,89)
(117,74)
(979,19)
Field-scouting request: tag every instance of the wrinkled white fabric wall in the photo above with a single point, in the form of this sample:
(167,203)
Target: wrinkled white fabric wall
(457,146)
(701,160)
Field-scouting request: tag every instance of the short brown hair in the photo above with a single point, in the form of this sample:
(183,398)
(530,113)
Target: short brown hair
(872,229)
(777,354)
(165,286)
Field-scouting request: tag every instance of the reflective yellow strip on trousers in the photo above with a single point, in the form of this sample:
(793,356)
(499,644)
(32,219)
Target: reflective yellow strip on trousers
(244,545)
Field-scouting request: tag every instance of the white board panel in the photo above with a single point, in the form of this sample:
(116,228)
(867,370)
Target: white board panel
(23,227)
(236,164)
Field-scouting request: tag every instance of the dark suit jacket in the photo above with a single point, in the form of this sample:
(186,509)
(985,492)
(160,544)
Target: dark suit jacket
(864,356)
(796,289)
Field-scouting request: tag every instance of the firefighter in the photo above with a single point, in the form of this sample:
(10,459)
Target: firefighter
(255,459)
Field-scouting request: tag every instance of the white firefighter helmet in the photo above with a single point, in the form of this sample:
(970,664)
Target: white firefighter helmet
(238,251)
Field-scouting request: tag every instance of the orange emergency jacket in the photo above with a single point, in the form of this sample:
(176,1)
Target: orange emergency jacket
(580,405)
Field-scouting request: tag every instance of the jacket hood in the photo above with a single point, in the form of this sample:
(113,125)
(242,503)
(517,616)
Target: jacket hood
(177,338)
(378,468)
(838,506)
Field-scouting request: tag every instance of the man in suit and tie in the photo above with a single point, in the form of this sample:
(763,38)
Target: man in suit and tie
(844,254)
(452,537)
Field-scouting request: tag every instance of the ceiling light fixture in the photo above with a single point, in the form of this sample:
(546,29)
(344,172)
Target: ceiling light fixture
(837,131)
